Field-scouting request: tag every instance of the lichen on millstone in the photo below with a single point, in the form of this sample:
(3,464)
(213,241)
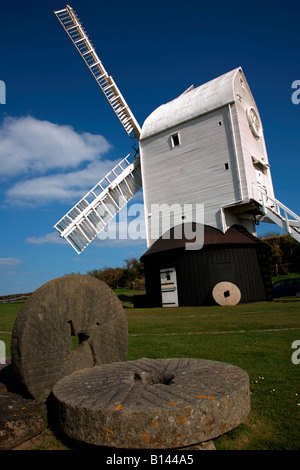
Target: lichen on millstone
(71,306)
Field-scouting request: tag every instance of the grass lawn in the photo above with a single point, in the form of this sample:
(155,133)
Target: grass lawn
(257,337)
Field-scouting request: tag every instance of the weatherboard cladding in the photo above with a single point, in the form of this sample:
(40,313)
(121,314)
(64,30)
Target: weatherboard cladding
(193,173)
(249,147)
(214,164)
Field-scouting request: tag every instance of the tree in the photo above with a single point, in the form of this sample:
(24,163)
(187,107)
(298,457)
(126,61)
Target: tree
(111,276)
(131,275)
(284,253)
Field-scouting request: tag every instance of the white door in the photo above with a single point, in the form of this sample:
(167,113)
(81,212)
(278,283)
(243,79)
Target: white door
(259,177)
(168,284)
(259,187)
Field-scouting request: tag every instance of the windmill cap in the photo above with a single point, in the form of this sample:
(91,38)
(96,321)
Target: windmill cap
(193,103)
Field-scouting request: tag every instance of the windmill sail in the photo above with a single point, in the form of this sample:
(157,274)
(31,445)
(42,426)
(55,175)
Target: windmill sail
(71,24)
(93,212)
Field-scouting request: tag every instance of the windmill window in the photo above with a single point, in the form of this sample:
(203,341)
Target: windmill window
(226,166)
(220,123)
(175,140)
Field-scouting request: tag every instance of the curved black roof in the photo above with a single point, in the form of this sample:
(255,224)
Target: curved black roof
(235,235)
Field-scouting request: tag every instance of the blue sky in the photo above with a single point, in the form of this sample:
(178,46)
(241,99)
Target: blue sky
(58,135)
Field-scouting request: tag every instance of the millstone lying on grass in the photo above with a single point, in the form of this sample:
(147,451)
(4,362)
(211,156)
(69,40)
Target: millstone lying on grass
(152,403)
(73,305)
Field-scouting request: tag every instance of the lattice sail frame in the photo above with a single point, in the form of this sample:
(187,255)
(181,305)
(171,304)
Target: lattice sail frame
(71,24)
(101,204)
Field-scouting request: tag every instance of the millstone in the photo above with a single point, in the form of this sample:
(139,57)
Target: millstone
(226,293)
(75,305)
(152,403)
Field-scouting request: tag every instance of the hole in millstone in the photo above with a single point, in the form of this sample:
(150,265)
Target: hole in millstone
(77,340)
(226,293)
(147,379)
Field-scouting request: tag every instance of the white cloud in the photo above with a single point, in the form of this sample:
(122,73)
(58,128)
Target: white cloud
(4,262)
(62,187)
(52,238)
(56,163)
(30,146)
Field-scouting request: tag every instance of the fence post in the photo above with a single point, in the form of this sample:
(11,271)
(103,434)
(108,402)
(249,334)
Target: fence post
(2,352)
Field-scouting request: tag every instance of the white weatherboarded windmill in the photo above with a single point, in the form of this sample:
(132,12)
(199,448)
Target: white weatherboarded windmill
(204,147)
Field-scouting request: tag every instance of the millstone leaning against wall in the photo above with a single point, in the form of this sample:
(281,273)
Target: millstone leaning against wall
(73,305)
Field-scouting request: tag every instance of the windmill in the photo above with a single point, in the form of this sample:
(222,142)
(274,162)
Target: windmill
(206,146)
